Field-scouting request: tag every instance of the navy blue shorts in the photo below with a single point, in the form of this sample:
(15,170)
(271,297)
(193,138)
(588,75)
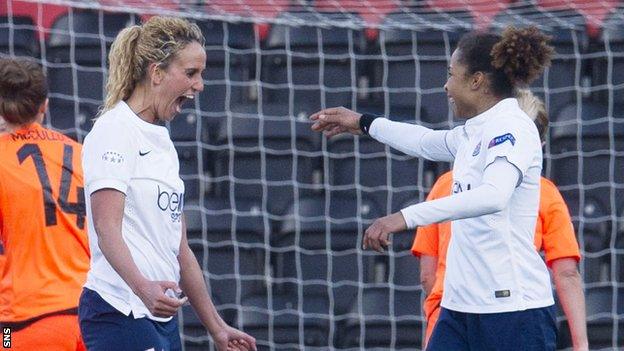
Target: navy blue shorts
(529,330)
(105,328)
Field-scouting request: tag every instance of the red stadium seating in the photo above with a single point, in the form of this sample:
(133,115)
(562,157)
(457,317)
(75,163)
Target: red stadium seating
(148,8)
(593,11)
(43,15)
(372,12)
(263,9)
(483,11)
(257,8)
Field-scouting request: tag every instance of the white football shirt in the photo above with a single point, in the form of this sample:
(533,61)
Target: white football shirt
(125,153)
(492,265)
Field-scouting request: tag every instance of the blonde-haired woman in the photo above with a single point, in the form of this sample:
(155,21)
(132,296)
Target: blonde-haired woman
(141,263)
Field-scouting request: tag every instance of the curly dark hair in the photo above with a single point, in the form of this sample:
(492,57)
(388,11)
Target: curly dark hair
(516,58)
(23,89)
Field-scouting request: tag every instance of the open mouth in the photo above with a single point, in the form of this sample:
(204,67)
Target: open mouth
(183,99)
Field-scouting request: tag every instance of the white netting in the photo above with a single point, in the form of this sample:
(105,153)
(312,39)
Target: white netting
(276,212)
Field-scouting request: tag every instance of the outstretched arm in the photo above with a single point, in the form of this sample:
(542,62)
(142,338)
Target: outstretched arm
(409,138)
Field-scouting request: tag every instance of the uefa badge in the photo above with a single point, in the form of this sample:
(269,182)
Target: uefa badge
(477,150)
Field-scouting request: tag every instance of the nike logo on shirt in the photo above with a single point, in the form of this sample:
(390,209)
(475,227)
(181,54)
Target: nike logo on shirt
(144,153)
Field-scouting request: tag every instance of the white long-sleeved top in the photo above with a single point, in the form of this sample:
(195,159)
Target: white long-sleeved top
(492,265)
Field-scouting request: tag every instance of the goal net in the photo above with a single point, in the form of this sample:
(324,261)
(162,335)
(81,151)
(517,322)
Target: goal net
(276,213)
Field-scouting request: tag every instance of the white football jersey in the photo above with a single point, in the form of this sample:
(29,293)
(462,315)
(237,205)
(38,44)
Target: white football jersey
(125,153)
(492,265)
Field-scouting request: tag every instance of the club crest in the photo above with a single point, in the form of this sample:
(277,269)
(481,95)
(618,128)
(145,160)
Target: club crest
(477,149)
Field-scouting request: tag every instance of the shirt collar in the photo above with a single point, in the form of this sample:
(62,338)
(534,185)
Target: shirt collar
(140,122)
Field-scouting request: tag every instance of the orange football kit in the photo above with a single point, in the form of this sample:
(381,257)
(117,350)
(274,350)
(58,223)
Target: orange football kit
(43,232)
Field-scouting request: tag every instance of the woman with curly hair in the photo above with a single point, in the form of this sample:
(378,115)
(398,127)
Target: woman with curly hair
(498,294)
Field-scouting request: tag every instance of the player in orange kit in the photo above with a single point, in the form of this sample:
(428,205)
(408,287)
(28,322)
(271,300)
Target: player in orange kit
(554,234)
(42,218)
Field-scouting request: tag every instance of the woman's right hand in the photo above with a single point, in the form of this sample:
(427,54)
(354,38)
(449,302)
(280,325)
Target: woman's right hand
(153,294)
(336,120)
(231,339)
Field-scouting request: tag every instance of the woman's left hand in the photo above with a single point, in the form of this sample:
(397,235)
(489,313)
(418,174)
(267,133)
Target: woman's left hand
(376,236)
(230,339)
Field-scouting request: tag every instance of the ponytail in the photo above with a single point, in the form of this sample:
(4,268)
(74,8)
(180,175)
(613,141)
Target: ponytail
(535,109)
(124,71)
(522,54)
(515,59)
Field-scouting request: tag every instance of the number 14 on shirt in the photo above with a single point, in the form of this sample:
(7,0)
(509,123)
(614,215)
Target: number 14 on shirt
(49,203)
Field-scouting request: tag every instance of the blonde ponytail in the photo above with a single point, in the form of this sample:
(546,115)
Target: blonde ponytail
(535,109)
(123,71)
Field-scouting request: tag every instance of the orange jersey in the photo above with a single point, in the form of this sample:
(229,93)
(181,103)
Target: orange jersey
(554,234)
(433,240)
(42,223)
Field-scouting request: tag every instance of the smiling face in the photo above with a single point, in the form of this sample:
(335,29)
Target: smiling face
(179,82)
(459,88)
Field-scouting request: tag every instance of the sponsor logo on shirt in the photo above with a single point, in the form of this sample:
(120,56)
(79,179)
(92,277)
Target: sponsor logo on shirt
(501,139)
(113,157)
(477,150)
(171,202)
(458,188)
(502,293)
